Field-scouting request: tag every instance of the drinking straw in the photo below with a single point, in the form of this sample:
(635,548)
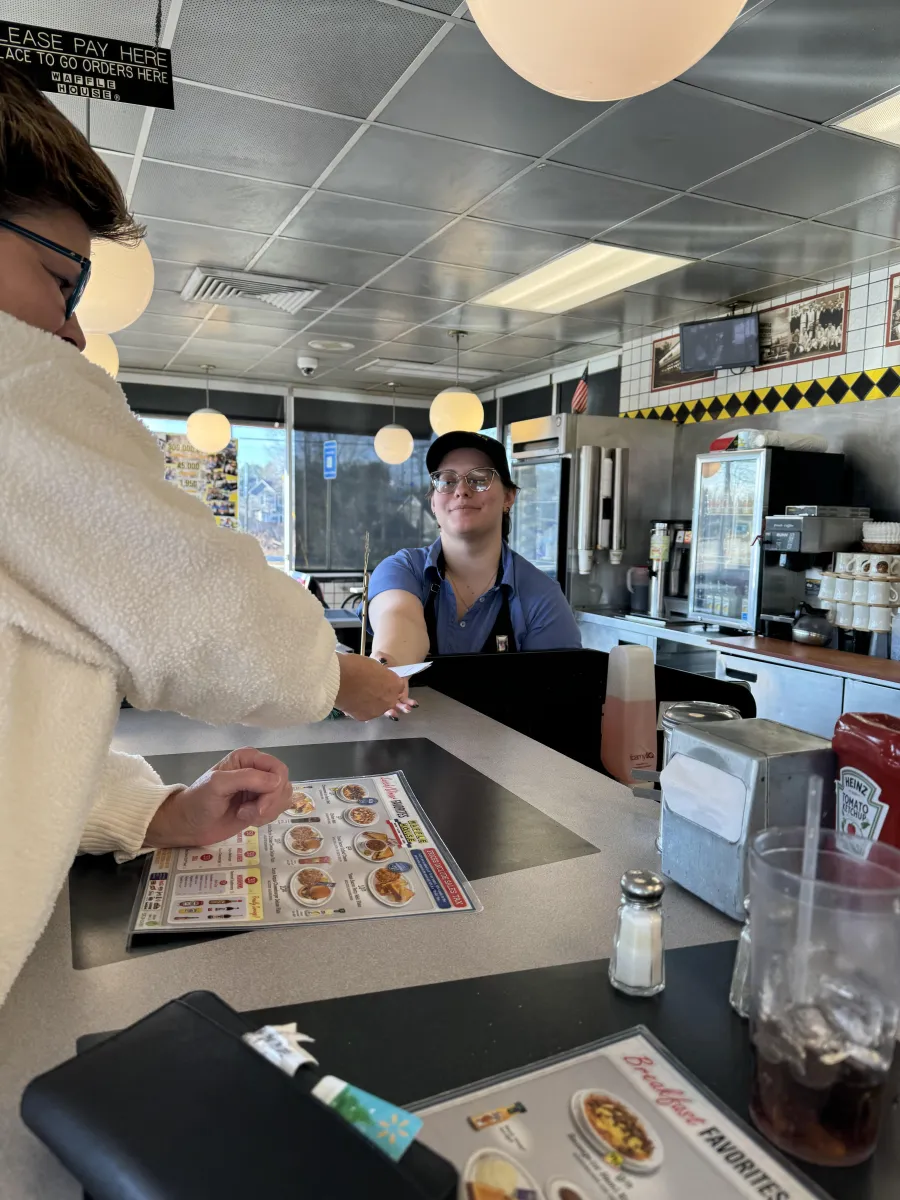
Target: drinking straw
(807,887)
(365,599)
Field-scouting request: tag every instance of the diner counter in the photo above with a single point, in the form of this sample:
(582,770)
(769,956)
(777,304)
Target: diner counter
(815,658)
(555,913)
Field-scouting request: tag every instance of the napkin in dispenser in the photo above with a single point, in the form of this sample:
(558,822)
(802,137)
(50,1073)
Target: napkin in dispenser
(724,783)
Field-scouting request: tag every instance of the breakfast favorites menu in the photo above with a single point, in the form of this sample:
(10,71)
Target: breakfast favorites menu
(620,1120)
(346,849)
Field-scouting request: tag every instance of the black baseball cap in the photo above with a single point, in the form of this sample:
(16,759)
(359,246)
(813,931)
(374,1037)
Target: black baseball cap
(463,440)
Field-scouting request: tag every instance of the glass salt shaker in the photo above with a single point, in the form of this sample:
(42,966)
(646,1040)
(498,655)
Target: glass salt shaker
(636,966)
(739,996)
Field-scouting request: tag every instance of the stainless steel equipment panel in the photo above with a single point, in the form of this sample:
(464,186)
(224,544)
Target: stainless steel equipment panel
(807,700)
(871,697)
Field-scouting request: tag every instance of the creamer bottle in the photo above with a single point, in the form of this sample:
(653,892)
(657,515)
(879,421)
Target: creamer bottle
(629,715)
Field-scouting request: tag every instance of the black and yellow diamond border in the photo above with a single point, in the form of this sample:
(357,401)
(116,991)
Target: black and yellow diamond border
(852,388)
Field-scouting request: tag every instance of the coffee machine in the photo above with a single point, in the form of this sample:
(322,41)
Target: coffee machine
(670,544)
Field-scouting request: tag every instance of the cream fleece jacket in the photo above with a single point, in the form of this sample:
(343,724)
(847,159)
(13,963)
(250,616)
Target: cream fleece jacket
(115,583)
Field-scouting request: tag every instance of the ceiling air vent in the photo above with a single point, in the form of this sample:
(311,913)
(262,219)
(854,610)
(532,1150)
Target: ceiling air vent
(240,288)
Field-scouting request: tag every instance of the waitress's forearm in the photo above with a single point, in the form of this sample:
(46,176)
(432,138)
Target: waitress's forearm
(398,640)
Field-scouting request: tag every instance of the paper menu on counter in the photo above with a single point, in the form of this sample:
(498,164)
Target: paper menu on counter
(618,1120)
(349,848)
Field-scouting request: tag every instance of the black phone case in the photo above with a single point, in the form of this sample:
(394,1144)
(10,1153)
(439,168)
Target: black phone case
(178,1106)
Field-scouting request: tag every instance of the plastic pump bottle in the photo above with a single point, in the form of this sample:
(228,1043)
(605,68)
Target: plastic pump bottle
(629,714)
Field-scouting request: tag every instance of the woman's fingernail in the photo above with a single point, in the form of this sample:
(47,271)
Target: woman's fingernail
(392,717)
(246,811)
(414,704)
(383,661)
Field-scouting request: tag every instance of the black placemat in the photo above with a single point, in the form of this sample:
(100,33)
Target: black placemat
(488,830)
(449,1035)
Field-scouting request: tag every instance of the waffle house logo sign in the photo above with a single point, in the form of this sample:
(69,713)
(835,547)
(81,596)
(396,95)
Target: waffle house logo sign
(91,67)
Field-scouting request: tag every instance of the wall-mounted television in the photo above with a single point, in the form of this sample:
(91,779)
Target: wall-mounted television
(728,342)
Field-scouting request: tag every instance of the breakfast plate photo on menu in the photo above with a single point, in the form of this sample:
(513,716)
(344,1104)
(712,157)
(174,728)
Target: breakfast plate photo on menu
(493,1175)
(612,1125)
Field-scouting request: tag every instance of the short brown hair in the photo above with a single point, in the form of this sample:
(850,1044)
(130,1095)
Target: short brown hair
(46,163)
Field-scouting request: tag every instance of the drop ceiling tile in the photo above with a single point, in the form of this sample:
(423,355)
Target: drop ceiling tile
(170,304)
(266,141)
(437,338)
(820,172)
(693,227)
(575,354)
(114,126)
(807,249)
(714,283)
(486,244)
(427,172)
(392,306)
(635,309)
(563,200)
(171,276)
(812,58)
(148,322)
(119,164)
(137,358)
(879,215)
(523,346)
(484,360)
(338,55)
(485,319)
(677,136)
(200,243)
(407,353)
(137,339)
(495,107)
(219,356)
(334,325)
(211,198)
(263,314)
(565,328)
(321,264)
(364,224)
(416,277)
(258,335)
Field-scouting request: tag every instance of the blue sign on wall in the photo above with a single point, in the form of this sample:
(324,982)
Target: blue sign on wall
(329,460)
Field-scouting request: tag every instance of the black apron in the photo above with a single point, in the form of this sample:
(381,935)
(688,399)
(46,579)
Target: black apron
(501,639)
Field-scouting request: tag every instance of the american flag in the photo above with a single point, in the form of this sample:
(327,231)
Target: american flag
(580,397)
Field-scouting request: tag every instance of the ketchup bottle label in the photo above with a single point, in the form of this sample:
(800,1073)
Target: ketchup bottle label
(859,810)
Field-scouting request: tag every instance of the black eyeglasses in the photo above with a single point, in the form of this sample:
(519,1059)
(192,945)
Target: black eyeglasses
(478,480)
(84,263)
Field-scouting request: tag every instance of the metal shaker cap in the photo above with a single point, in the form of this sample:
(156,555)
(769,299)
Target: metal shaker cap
(642,886)
(697,712)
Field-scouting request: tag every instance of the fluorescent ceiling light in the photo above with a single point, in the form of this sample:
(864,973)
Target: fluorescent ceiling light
(583,275)
(396,366)
(880,121)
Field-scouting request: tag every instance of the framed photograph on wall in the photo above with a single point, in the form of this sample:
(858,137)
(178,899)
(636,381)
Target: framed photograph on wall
(666,369)
(893,311)
(812,328)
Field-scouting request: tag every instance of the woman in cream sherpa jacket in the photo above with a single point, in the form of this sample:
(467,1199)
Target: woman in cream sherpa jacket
(115,583)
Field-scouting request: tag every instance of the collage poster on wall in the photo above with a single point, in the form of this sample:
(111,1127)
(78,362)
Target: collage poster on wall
(812,328)
(667,371)
(212,478)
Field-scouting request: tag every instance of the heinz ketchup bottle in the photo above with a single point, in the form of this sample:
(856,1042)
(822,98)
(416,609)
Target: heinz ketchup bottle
(867,746)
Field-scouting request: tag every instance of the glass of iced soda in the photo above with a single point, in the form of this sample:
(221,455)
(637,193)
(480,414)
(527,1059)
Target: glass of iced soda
(826,992)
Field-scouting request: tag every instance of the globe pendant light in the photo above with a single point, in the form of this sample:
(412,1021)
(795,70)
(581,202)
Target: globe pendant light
(602,49)
(456,407)
(208,430)
(393,443)
(119,288)
(100,349)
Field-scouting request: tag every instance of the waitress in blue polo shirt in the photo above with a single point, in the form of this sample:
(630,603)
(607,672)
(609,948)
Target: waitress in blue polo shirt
(468,593)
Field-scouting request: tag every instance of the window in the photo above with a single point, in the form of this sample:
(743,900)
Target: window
(261,466)
(390,502)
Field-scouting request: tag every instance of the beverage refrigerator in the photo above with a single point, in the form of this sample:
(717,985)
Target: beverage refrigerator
(733,581)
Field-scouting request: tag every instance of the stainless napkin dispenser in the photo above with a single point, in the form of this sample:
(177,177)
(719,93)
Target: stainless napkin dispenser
(722,784)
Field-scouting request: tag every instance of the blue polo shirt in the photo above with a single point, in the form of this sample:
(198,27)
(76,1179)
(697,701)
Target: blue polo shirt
(541,616)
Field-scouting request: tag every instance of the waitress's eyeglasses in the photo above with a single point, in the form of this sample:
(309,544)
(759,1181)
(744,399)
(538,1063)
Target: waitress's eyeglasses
(84,263)
(479,480)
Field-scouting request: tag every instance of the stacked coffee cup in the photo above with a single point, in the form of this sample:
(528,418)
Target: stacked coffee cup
(862,591)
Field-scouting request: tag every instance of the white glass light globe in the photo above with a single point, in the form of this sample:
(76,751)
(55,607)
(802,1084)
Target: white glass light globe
(393,444)
(208,430)
(602,49)
(101,349)
(456,408)
(119,288)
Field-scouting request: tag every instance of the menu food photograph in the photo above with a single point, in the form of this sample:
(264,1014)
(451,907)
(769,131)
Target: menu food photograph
(619,1120)
(346,849)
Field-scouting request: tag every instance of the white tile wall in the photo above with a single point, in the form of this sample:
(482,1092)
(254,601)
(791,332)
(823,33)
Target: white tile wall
(865,348)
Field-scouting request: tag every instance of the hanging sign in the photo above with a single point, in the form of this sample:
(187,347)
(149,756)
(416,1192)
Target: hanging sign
(96,68)
(329,460)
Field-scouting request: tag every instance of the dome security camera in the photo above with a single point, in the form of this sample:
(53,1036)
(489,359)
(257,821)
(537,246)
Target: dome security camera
(307,365)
